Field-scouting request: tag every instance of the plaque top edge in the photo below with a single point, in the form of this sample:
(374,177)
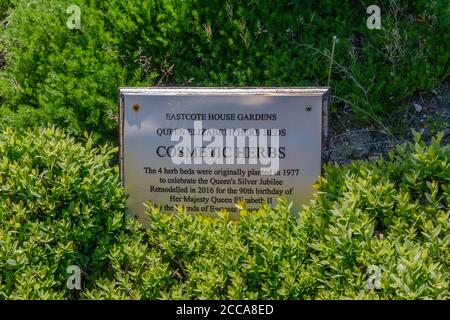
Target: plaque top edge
(295,91)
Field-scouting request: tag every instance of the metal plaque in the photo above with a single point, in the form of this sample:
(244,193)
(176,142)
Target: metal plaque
(210,148)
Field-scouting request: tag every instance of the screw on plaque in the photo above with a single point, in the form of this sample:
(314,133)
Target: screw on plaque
(308,108)
(136,107)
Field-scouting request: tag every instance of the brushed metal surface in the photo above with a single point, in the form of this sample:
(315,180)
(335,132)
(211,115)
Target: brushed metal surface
(302,112)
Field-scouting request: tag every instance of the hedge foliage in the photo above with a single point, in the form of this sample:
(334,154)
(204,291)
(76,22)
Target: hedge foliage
(70,77)
(61,204)
(393,214)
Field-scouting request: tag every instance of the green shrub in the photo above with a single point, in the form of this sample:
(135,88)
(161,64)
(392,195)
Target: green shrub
(61,205)
(59,201)
(53,74)
(5,5)
(393,215)
(259,257)
(70,77)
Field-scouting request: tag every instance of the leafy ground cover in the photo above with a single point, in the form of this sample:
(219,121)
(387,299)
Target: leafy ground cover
(61,204)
